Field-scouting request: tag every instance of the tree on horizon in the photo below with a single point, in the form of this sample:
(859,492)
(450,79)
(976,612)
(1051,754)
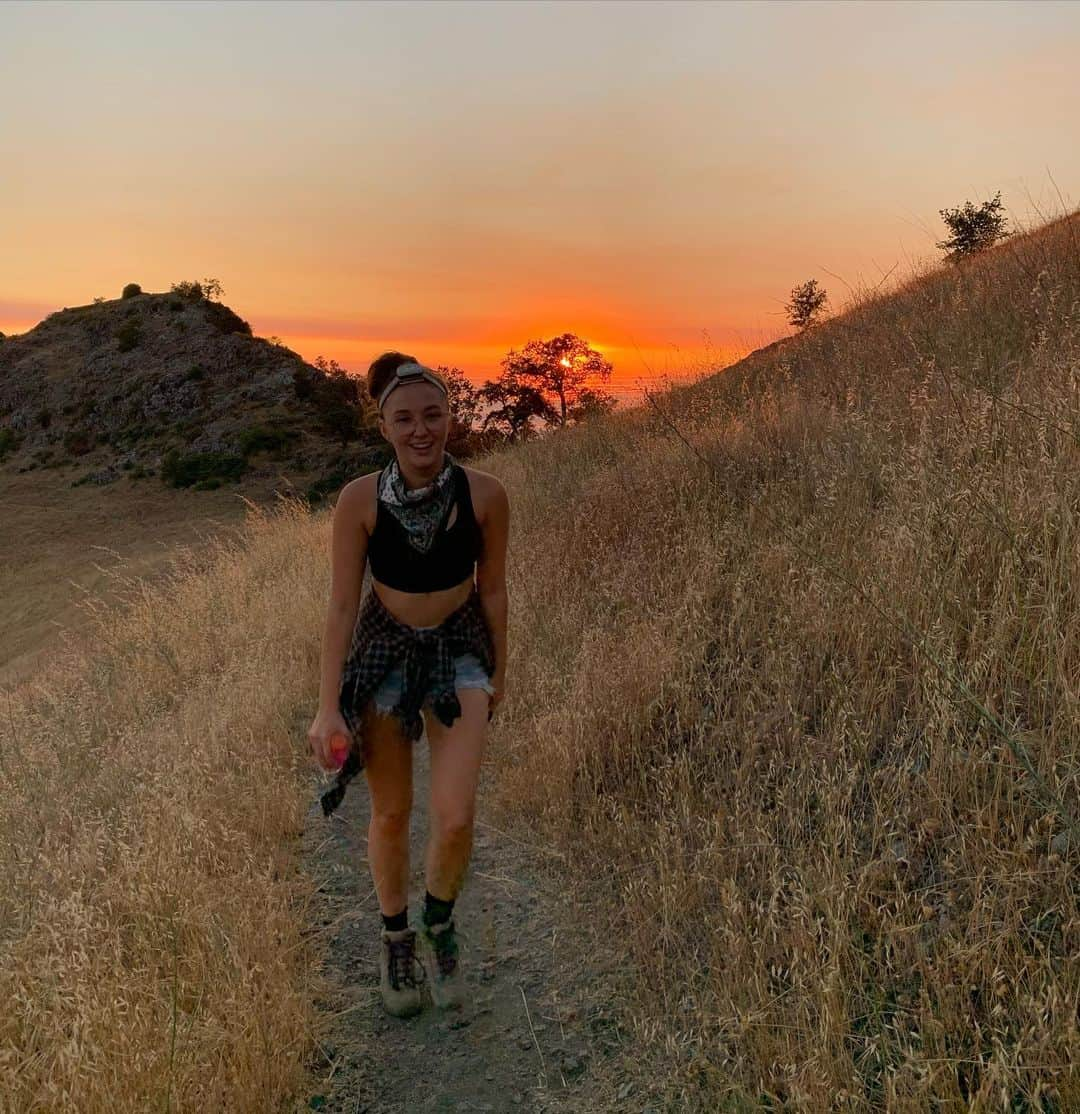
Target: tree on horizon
(558,370)
(512,407)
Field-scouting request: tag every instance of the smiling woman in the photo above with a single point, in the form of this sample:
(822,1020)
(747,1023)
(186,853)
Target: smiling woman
(427,650)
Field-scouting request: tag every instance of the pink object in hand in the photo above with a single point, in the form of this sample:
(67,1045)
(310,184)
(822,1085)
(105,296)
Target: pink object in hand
(339,749)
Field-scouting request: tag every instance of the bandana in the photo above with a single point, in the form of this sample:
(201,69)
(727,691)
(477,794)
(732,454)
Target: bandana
(421,510)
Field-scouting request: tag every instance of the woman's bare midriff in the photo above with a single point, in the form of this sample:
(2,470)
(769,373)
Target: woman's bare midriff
(422,609)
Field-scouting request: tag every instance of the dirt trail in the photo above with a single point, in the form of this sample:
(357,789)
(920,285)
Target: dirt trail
(529,1036)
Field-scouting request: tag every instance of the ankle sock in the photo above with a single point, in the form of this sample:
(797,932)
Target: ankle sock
(396,922)
(436,911)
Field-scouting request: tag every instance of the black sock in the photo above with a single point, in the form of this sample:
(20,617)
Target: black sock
(396,922)
(436,911)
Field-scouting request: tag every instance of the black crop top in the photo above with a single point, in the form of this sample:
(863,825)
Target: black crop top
(453,554)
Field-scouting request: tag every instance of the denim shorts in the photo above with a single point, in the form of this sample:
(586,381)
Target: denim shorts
(468,674)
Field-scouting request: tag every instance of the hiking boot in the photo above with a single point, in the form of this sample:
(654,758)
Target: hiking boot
(400,973)
(441,962)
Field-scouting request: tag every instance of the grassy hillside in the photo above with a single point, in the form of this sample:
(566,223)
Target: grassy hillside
(783,644)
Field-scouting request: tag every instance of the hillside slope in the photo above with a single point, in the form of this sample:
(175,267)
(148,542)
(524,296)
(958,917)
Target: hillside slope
(111,387)
(795,686)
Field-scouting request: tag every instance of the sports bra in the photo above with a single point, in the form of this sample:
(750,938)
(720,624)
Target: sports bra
(395,562)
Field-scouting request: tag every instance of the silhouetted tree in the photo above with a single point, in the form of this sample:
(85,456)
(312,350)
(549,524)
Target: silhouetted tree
(512,407)
(464,402)
(132,290)
(973,228)
(338,397)
(591,404)
(806,305)
(195,291)
(557,369)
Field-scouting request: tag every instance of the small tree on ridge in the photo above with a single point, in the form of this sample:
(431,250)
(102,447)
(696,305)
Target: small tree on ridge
(806,305)
(973,229)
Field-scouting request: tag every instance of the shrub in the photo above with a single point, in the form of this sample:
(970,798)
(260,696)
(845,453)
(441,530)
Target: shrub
(224,320)
(128,336)
(78,442)
(335,395)
(197,291)
(132,290)
(183,470)
(44,415)
(973,229)
(303,383)
(9,441)
(264,439)
(807,302)
(328,483)
(188,291)
(196,373)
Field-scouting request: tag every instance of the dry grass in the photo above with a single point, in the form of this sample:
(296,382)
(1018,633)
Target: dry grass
(153,953)
(61,546)
(738,677)
(822,872)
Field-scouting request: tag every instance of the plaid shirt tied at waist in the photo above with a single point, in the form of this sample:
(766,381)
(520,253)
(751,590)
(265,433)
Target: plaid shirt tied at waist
(426,659)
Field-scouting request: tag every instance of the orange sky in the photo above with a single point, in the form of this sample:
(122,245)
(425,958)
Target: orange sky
(454,180)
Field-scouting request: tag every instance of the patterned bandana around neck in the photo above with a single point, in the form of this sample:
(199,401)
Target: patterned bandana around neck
(421,510)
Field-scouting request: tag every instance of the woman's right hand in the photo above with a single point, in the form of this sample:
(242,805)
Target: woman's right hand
(324,727)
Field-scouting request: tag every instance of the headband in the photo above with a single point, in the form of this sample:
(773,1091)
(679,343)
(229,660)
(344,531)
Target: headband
(410,373)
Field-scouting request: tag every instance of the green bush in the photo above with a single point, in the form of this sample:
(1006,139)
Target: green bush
(334,395)
(196,373)
(132,290)
(9,441)
(186,469)
(330,482)
(128,335)
(260,438)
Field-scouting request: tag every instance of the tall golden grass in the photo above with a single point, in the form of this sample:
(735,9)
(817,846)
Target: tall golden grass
(781,645)
(153,950)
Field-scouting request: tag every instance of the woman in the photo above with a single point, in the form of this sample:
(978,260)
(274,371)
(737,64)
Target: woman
(429,648)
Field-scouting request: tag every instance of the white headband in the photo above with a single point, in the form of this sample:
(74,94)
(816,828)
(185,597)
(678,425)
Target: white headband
(410,373)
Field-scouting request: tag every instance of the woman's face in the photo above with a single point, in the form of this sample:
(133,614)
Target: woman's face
(415,419)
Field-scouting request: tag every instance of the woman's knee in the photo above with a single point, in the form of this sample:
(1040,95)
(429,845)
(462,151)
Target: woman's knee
(453,822)
(391,823)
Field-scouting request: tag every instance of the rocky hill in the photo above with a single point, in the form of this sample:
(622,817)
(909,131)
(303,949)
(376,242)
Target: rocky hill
(174,387)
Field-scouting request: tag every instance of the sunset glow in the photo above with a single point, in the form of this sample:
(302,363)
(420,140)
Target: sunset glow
(654,177)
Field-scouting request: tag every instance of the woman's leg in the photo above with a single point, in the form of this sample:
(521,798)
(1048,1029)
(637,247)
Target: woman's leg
(388,769)
(455,771)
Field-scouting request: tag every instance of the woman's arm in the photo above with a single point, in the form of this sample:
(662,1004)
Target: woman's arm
(491,574)
(349,555)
